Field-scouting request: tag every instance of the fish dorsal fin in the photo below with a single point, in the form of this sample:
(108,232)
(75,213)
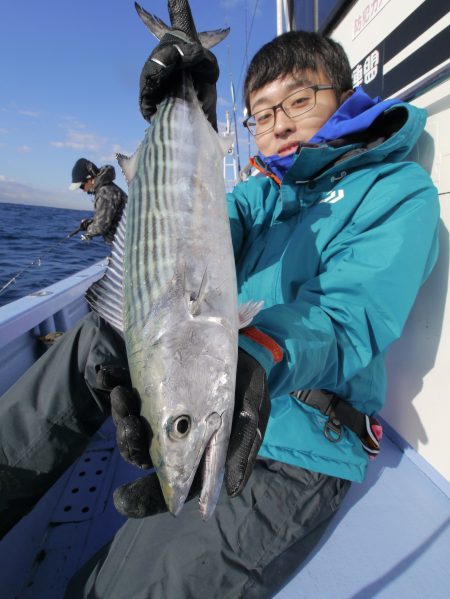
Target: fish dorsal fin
(208,39)
(196,298)
(128,165)
(247,312)
(106,295)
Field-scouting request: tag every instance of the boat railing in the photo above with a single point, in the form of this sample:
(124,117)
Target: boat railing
(25,322)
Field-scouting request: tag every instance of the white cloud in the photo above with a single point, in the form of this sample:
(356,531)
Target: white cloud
(31,113)
(78,140)
(24,149)
(71,122)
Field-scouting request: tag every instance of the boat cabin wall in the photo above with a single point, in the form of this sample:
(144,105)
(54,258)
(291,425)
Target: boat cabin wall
(400,49)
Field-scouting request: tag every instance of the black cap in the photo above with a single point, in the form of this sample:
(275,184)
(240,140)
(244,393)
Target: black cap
(82,171)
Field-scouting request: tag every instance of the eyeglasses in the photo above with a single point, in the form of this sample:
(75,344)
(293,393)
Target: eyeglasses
(82,185)
(293,106)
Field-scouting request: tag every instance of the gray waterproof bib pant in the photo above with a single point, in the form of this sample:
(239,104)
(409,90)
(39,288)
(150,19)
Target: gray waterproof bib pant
(248,549)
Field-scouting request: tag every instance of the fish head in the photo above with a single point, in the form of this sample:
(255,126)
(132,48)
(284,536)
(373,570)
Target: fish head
(190,412)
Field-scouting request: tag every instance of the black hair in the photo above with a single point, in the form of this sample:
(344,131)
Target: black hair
(296,51)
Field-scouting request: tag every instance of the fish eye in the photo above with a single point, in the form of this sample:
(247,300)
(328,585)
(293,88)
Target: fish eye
(180,427)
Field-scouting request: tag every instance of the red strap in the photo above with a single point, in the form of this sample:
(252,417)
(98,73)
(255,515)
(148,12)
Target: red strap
(262,339)
(267,173)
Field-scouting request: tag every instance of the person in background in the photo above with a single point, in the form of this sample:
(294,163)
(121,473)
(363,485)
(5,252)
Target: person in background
(336,232)
(109,201)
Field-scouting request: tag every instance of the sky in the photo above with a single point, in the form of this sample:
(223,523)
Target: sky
(69,83)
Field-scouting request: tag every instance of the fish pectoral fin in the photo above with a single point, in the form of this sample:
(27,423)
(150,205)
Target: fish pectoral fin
(248,311)
(128,165)
(208,39)
(197,298)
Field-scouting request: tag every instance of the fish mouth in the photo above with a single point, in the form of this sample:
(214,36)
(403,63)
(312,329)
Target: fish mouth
(206,475)
(212,468)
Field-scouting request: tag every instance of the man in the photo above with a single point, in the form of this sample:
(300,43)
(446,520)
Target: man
(109,198)
(336,234)
(327,234)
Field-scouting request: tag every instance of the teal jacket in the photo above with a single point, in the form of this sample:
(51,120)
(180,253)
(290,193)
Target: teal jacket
(338,254)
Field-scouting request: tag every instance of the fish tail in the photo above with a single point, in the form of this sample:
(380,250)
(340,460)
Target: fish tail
(181,20)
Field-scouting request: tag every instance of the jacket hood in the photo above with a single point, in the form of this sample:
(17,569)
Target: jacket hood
(390,138)
(106,175)
(356,114)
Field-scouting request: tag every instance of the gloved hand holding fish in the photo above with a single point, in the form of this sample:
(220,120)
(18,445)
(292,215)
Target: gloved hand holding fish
(170,286)
(143,497)
(176,53)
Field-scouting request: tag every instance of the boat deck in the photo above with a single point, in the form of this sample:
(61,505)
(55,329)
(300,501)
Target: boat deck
(391,538)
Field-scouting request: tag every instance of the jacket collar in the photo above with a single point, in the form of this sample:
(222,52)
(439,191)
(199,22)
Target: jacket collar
(391,136)
(309,161)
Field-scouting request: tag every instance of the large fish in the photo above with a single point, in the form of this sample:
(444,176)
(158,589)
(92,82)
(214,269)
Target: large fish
(178,306)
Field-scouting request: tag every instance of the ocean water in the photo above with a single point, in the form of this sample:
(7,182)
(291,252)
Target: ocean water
(35,238)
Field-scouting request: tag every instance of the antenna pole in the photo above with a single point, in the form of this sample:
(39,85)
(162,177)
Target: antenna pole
(235,127)
(287,16)
(279,17)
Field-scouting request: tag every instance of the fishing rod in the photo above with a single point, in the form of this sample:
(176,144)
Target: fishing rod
(38,260)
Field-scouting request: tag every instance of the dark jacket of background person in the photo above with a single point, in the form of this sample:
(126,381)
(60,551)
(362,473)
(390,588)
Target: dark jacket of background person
(109,203)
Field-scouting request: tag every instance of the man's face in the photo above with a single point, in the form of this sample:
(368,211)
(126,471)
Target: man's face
(88,185)
(288,133)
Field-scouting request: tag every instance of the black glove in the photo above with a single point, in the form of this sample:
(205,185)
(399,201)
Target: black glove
(132,431)
(84,224)
(144,497)
(174,54)
(251,415)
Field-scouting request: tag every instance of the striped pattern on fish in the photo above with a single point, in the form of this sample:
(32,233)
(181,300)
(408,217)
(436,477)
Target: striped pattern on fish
(181,317)
(171,213)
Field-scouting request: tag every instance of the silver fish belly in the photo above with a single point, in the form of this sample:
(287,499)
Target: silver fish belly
(180,300)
